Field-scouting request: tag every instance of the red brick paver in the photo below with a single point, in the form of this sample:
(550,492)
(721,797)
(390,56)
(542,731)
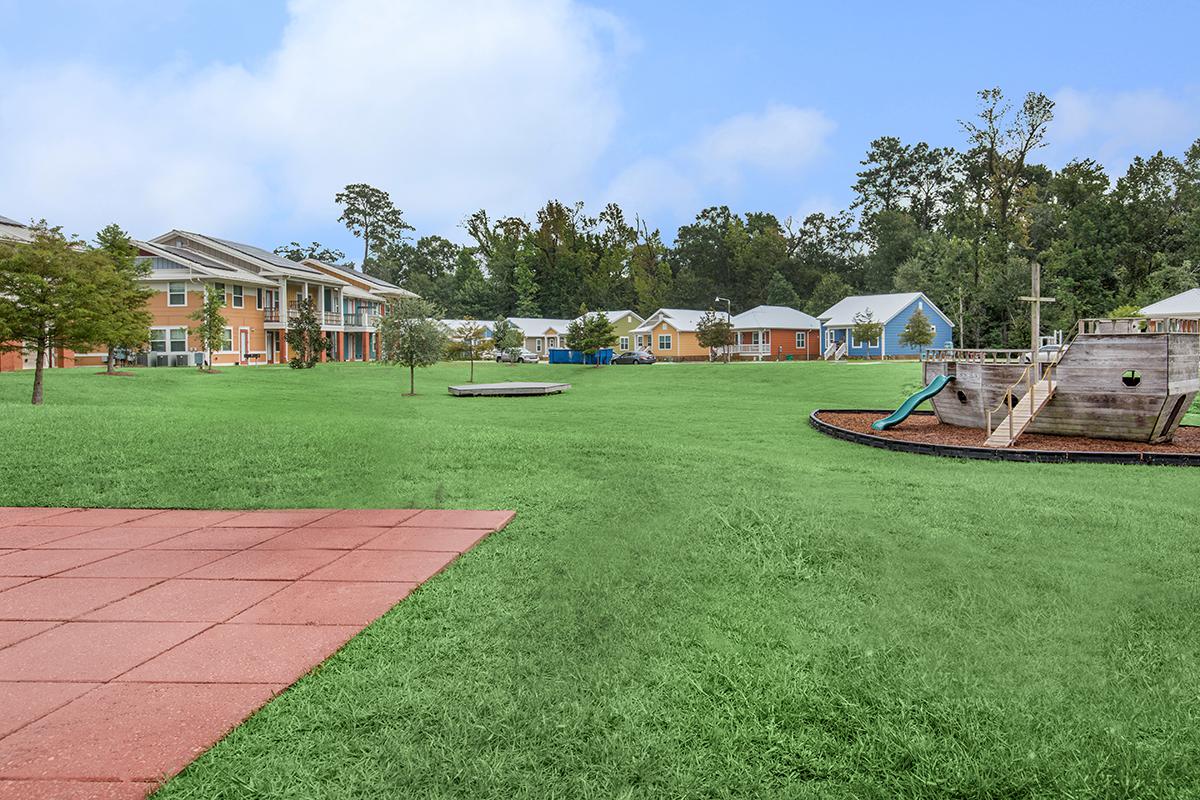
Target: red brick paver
(131,640)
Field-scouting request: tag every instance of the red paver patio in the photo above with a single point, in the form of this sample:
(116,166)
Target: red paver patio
(131,640)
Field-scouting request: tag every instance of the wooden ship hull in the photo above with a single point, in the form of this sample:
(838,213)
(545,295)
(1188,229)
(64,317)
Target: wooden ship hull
(1114,381)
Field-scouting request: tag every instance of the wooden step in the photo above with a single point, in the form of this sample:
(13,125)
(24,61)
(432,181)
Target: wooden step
(1023,413)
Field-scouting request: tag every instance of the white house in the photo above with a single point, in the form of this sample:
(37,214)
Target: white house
(1185,305)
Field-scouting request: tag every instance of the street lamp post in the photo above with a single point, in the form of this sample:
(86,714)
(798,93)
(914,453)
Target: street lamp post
(728,319)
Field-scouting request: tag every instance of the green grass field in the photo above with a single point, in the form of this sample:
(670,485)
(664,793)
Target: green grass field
(700,596)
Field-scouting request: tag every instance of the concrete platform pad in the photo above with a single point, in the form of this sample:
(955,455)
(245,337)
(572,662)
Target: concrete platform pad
(172,627)
(509,389)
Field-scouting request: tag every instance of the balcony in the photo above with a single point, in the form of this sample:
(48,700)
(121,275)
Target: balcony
(274,314)
(325,317)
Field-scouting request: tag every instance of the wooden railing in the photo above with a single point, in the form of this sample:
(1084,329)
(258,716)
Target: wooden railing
(1137,325)
(1027,378)
(976,355)
(274,314)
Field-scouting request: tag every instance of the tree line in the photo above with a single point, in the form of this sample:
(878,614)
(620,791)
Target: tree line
(961,222)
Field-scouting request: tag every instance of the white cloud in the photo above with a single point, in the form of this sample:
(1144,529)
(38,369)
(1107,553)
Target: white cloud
(780,141)
(449,107)
(1115,126)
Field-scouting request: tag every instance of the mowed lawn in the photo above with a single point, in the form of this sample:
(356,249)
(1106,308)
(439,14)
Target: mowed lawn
(700,595)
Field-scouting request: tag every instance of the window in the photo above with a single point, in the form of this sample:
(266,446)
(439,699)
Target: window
(664,341)
(178,340)
(537,345)
(238,300)
(801,340)
(855,343)
(219,288)
(158,340)
(176,294)
(624,344)
(227,340)
(328,298)
(258,293)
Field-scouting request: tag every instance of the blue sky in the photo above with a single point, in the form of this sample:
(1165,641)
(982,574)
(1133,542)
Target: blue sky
(243,118)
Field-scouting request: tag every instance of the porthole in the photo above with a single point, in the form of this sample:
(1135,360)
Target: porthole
(1131,377)
(962,396)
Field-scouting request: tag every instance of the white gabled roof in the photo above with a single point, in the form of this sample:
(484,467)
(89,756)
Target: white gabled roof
(350,274)
(537,326)
(681,319)
(1184,304)
(614,316)
(201,265)
(14,231)
(264,261)
(778,317)
(883,308)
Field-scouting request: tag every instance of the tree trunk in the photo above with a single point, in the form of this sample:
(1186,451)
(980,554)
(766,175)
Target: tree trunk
(111,353)
(37,372)
(412,381)
(472,380)
(366,247)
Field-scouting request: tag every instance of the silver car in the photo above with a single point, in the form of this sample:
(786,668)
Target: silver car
(519,356)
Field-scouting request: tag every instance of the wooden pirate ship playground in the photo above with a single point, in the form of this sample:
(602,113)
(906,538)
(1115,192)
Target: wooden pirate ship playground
(1118,387)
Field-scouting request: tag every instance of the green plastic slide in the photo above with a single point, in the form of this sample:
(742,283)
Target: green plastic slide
(906,408)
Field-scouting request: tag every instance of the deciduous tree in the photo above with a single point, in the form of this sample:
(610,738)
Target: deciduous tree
(210,327)
(714,330)
(507,338)
(304,338)
(298,252)
(470,334)
(917,332)
(410,336)
(866,329)
(50,296)
(591,333)
(125,321)
(370,214)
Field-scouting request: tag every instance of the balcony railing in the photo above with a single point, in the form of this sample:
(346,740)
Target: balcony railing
(746,349)
(273,314)
(326,317)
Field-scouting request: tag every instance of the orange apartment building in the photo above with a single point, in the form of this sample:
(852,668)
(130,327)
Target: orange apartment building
(262,292)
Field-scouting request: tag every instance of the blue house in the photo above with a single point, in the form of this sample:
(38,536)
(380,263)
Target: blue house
(894,311)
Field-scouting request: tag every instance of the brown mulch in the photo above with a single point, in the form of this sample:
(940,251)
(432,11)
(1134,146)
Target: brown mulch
(119,373)
(925,429)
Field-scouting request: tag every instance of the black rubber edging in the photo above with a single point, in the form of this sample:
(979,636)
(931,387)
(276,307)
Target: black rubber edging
(989,453)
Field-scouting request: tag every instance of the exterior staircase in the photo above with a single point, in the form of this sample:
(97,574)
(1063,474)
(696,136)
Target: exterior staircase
(1023,413)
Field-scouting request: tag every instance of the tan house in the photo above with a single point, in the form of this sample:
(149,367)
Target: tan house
(542,333)
(670,334)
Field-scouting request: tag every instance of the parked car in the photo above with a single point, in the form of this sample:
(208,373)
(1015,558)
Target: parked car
(634,357)
(1047,353)
(522,355)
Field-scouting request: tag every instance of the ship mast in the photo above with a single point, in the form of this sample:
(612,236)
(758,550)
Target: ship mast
(1035,311)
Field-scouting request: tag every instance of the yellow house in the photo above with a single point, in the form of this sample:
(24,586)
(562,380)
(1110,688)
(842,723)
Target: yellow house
(670,334)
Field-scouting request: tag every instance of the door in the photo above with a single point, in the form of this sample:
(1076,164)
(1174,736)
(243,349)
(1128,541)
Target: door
(244,343)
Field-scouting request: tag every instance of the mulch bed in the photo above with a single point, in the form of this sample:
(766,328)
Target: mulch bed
(924,428)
